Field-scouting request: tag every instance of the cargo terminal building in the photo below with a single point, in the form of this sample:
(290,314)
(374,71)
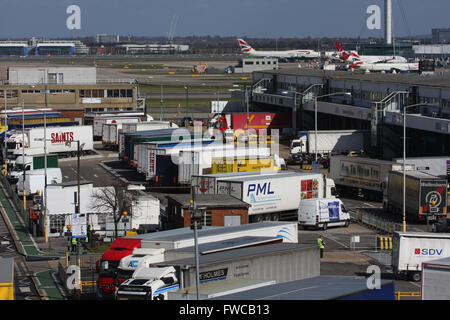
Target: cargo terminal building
(376,103)
(67,88)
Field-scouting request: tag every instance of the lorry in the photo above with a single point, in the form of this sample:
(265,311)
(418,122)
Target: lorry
(436,166)
(247,163)
(33,162)
(108,265)
(436,279)
(35,180)
(426,195)
(98,122)
(61,140)
(230,124)
(411,249)
(358,174)
(110,137)
(139,258)
(148,284)
(322,213)
(277,196)
(129,140)
(328,142)
(201,162)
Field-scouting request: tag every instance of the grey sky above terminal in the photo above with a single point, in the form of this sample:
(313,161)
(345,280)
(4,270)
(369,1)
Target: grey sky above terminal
(240,18)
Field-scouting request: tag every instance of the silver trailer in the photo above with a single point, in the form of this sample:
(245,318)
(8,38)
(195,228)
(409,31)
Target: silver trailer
(436,280)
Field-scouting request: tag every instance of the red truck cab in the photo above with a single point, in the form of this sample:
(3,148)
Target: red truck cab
(109,263)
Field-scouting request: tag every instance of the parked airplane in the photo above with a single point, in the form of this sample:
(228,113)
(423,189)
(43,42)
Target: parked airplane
(387,67)
(289,54)
(353,57)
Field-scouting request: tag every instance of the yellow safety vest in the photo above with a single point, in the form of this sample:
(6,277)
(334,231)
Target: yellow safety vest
(320,243)
(74,240)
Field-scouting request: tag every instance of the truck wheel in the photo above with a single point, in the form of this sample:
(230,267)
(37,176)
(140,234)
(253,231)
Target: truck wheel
(347,223)
(275,217)
(416,276)
(324,226)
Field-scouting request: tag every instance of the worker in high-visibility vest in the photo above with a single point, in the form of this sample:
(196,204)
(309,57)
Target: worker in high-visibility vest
(74,244)
(321,244)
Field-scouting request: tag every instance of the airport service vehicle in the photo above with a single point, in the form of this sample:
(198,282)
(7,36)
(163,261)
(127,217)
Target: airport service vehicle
(193,162)
(277,196)
(354,174)
(98,122)
(426,195)
(322,213)
(436,280)
(108,266)
(411,249)
(231,124)
(61,140)
(35,180)
(437,166)
(148,284)
(31,163)
(328,142)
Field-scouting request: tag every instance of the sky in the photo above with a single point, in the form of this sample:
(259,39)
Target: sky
(241,18)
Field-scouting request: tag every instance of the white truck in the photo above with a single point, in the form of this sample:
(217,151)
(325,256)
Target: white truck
(148,284)
(35,180)
(436,280)
(411,249)
(328,142)
(100,121)
(354,174)
(436,166)
(277,196)
(141,257)
(322,213)
(60,140)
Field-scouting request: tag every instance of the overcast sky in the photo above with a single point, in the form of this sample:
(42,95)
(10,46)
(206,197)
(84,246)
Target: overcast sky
(250,18)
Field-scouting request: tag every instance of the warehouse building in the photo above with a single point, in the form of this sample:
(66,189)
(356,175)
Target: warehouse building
(374,102)
(40,47)
(67,88)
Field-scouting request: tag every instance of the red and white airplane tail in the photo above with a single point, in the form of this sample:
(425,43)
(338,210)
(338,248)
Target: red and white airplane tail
(344,55)
(245,47)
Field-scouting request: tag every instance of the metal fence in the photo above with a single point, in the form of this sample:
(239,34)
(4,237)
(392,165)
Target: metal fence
(16,201)
(380,224)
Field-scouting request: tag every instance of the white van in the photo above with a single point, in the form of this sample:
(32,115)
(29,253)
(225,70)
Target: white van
(322,213)
(35,180)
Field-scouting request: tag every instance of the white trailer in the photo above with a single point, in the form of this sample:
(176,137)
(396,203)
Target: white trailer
(195,162)
(277,196)
(181,238)
(436,166)
(207,183)
(100,121)
(352,174)
(61,140)
(436,280)
(145,213)
(322,213)
(35,180)
(411,249)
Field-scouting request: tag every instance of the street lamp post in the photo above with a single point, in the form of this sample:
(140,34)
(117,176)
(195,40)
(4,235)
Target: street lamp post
(315,115)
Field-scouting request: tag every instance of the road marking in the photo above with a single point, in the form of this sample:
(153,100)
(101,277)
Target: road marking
(95,176)
(368,204)
(417,285)
(66,177)
(25,289)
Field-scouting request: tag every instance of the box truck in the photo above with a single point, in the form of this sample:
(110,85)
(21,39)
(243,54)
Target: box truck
(355,174)
(436,280)
(277,196)
(35,180)
(61,140)
(322,213)
(33,162)
(411,249)
(328,142)
(436,166)
(98,122)
(426,195)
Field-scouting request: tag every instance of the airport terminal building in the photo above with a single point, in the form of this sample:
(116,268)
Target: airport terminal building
(376,103)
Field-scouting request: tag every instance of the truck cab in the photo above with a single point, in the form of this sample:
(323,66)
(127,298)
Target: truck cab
(148,284)
(295,151)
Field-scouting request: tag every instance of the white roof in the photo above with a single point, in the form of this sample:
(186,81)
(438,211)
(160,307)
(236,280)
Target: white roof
(152,273)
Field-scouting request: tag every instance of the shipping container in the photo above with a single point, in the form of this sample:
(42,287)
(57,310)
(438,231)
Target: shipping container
(249,163)
(426,195)
(100,121)
(7,279)
(354,174)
